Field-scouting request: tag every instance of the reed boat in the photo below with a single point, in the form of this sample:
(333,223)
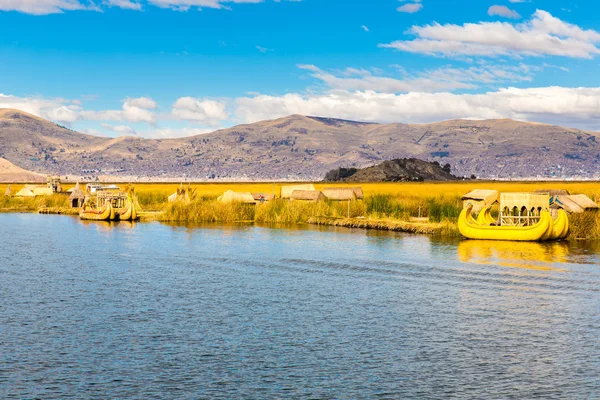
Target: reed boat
(129,213)
(560,230)
(97,215)
(470,229)
(485,216)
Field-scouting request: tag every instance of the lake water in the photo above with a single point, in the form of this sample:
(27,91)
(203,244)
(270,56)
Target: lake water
(97,310)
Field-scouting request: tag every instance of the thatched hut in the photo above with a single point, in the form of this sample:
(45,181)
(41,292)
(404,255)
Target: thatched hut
(286,191)
(42,191)
(27,191)
(340,194)
(307,195)
(8,192)
(574,203)
(480,198)
(553,192)
(240,197)
(77,197)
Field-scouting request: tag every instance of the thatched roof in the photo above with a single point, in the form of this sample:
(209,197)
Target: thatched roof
(340,194)
(263,196)
(42,191)
(307,195)
(553,192)
(576,203)
(286,191)
(77,193)
(358,192)
(25,192)
(242,197)
(8,191)
(527,200)
(485,195)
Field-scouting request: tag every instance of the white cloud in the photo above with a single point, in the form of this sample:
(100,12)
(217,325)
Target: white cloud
(365,28)
(440,79)
(120,129)
(125,4)
(56,109)
(134,110)
(42,7)
(578,107)
(167,133)
(184,5)
(503,11)
(542,35)
(200,110)
(410,8)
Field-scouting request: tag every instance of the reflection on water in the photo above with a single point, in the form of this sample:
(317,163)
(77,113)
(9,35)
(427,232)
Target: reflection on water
(532,255)
(119,310)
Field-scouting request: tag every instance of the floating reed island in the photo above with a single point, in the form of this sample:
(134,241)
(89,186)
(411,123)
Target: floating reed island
(426,208)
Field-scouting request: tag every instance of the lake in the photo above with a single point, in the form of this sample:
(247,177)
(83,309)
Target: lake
(155,311)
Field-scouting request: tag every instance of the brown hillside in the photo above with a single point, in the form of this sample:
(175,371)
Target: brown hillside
(304,148)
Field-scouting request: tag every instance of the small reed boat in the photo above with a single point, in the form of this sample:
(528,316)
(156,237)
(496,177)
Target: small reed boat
(104,214)
(470,229)
(129,213)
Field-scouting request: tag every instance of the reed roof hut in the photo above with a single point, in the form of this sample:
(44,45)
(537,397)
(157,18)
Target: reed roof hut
(480,198)
(340,194)
(8,192)
(553,192)
(307,195)
(240,197)
(43,191)
(27,191)
(574,203)
(77,197)
(286,191)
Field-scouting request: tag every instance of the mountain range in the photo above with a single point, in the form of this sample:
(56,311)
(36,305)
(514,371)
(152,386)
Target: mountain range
(302,148)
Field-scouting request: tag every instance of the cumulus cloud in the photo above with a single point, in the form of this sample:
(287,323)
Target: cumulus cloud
(200,110)
(578,107)
(440,79)
(410,8)
(42,7)
(125,4)
(175,132)
(134,110)
(120,129)
(542,35)
(184,5)
(56,109)
(503,11)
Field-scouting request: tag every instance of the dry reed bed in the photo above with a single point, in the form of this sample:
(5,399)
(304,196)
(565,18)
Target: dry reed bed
(386,225)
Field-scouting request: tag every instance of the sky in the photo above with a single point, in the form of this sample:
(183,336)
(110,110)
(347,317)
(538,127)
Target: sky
(173,68)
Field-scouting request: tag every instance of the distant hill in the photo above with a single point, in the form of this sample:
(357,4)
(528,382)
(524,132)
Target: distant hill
(11,173)
(303,148)
(399,170)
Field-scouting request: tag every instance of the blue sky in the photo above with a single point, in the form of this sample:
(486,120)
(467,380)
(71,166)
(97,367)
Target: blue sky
(167,68)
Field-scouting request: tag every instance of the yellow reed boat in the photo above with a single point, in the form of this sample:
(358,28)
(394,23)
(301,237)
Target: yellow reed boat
(97,215)
(470,229)
(129,213)
(560,230)
(485,216)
